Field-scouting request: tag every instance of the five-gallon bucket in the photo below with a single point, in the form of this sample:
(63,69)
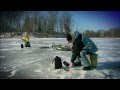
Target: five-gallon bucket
(93,59)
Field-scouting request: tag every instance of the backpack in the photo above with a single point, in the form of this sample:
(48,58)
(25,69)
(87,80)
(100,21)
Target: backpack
(58,62)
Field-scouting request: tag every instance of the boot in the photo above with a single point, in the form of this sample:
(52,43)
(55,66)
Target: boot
(87,68)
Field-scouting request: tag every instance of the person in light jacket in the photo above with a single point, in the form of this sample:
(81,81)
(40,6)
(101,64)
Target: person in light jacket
(82,45)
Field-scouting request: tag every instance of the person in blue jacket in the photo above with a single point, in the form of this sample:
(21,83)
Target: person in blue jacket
(82,45)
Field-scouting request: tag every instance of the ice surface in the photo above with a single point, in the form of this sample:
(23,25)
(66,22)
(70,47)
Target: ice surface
(34,62)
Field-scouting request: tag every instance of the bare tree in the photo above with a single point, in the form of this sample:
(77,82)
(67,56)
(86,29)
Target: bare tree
(52,21)
(10,21)
(67,21)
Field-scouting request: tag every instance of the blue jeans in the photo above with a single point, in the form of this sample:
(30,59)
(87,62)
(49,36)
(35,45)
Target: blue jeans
(84,61)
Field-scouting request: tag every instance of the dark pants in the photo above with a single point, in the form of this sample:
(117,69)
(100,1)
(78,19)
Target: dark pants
(27,44)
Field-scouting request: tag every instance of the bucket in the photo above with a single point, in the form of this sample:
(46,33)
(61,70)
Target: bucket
(93,59)
(22,46)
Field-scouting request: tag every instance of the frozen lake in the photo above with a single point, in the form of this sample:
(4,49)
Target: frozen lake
(36,63)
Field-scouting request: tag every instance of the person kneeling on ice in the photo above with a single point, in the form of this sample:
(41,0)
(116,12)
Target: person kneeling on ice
(26,40)
(82,45)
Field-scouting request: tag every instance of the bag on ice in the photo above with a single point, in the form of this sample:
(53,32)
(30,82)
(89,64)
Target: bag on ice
(22,46)
(58,62)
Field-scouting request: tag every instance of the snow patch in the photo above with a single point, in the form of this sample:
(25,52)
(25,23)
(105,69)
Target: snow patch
(13,73)
(27,52)
(37,71)
(40,59)
(2,56)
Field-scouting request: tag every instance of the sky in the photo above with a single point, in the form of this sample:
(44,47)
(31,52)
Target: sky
(95,20)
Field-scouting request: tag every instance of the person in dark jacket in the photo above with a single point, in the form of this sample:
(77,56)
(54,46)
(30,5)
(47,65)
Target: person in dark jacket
(76,53)
(81,46)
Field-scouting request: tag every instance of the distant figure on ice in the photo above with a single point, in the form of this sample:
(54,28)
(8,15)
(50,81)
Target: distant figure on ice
(26,40)
(81,46)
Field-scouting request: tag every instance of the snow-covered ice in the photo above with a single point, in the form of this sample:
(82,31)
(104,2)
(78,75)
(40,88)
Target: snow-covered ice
(36,63)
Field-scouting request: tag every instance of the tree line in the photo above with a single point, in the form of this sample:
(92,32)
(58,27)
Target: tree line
(112,32)
(47,23)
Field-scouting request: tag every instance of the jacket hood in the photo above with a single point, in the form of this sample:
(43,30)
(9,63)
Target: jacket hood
(74,35)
